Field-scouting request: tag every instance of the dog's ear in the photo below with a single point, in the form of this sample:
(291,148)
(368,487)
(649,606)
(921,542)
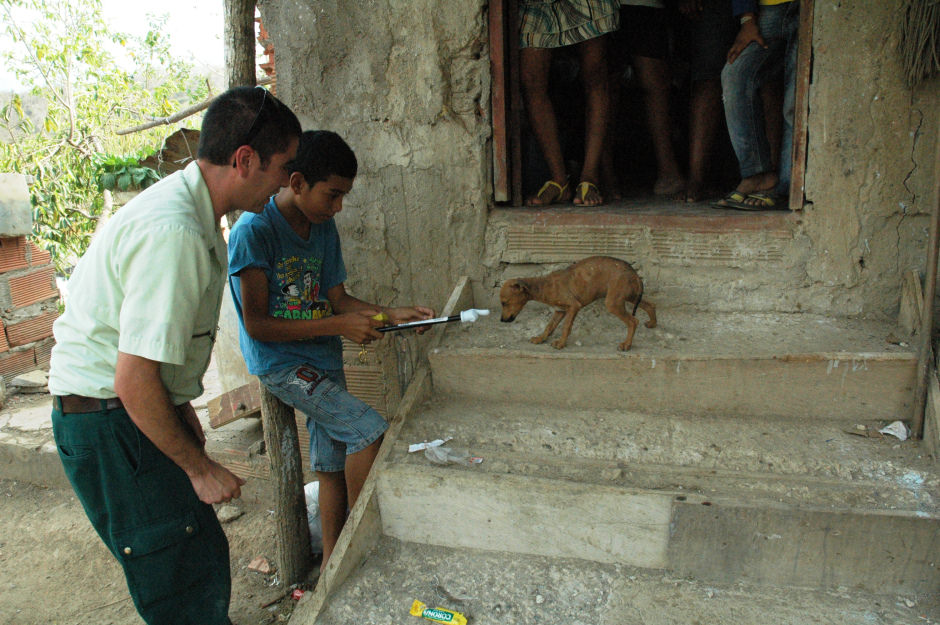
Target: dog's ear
(519,286)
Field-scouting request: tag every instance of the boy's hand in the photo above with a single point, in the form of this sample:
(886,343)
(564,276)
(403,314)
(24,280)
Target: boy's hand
(749,33)
(406,314)
(359,326)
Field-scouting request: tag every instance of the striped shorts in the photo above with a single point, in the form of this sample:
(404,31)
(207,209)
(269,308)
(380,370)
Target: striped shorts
(557,23)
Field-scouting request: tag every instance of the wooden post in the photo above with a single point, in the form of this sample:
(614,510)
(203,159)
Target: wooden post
(290,511)
(804,64)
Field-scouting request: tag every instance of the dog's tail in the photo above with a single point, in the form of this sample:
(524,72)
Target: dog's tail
(638,298)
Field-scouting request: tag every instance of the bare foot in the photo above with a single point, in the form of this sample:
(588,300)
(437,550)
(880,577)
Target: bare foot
(552,192)
(668,186)
(587,194)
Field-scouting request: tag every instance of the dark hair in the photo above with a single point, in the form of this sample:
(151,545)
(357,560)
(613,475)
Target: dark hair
(322,153)
(246,116)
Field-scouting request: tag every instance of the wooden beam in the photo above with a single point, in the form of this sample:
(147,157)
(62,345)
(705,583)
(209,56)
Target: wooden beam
(804,67)
(498,100)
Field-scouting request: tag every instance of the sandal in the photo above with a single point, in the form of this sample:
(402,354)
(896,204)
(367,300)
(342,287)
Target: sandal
(761,201)
(561,194)
(734,199)
(586,190)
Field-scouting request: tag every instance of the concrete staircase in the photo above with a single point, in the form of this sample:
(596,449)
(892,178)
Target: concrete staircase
(715,473)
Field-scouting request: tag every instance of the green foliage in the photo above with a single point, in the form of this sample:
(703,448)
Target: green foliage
(94,82)
(121,173)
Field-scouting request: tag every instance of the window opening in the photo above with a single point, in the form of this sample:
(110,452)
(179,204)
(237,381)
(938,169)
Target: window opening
(519,167)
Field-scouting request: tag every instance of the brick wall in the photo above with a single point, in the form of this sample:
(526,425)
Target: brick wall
(29,304)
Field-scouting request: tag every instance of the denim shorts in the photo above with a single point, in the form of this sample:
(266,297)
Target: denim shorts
(339,424)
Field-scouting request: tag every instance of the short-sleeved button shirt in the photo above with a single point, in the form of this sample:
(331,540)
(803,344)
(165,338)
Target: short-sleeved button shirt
(149,285)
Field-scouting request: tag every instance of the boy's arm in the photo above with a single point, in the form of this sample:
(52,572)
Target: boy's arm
(356,325)
(341,301)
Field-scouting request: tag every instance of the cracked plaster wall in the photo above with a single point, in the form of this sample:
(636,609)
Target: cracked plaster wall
(407,85)
(870,166)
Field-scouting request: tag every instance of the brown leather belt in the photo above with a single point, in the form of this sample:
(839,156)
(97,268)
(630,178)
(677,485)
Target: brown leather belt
(78,404)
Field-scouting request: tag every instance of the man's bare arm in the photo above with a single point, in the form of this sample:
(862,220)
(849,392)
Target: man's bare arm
(138,385)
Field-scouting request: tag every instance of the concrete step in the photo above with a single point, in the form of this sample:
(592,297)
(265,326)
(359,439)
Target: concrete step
(693,362)
(491,587)
(687,255)
(769,501)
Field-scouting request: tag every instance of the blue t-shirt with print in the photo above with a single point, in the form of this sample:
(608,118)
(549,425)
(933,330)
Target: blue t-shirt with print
(299,272)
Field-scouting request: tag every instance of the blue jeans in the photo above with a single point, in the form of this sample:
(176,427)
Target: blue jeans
(339,424)
(741,82)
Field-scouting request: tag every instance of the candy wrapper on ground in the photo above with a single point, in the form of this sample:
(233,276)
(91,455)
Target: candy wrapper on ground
(437,615)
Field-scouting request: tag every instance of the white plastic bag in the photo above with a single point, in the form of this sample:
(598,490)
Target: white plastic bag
(312,495)
(446,455)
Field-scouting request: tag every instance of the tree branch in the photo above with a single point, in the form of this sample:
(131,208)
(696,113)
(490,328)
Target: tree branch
(175,117)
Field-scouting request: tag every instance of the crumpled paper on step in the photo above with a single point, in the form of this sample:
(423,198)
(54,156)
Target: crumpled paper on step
(896,429)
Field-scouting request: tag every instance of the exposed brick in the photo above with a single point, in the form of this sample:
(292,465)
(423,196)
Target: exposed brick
(44,352)
(17,363)
(31,330)
(13,254)
(33,287)
(4,345)
(38,256)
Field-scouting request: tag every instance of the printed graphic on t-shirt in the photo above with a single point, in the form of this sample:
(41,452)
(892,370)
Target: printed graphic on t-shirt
(297,279)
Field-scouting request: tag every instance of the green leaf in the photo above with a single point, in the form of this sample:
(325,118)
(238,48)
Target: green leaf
(107,181)
(124,181)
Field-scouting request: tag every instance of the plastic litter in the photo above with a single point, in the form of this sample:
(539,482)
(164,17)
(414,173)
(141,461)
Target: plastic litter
(312,498)
(425,445)
(437,615)
(896,429)
(446,455)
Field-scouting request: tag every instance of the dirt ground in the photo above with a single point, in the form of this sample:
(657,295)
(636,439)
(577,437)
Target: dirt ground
(55,569)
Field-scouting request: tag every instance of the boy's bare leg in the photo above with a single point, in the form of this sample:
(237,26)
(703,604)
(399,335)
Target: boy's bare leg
(654,79)
(358,466)
(333,506)
(534,65)
(597,109)
(705,111)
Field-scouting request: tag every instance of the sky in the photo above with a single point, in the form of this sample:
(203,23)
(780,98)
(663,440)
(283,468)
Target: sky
(194,26)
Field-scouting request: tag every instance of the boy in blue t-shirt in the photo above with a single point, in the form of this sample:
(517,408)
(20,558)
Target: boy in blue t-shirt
(286,274)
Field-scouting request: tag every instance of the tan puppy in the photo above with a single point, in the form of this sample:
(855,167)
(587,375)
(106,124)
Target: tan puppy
(571,289)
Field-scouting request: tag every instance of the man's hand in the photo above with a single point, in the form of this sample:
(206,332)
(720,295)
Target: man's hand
(748,33)
(174,431)
(406,314)
(216,484)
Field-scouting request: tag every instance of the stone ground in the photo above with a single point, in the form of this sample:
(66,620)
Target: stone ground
(55,569)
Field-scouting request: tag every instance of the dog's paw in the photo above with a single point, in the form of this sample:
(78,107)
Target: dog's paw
(558,344)
(650,324)
(624,346)
(536,339)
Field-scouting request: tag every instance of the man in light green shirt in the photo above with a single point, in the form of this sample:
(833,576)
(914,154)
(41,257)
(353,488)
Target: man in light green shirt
(131,350)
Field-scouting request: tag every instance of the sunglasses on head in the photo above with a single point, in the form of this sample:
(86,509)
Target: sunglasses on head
(257,123)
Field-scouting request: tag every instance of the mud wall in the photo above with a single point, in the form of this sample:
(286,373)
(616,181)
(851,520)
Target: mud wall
(871,160)
(407,85)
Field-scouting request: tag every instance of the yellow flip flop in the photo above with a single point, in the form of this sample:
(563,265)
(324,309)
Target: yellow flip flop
(548,186)
(583,189)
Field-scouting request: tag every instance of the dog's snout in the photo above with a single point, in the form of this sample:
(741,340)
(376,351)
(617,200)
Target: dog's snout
(508,319)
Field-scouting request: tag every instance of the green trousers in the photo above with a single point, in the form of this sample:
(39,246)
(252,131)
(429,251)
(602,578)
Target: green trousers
(171,545)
